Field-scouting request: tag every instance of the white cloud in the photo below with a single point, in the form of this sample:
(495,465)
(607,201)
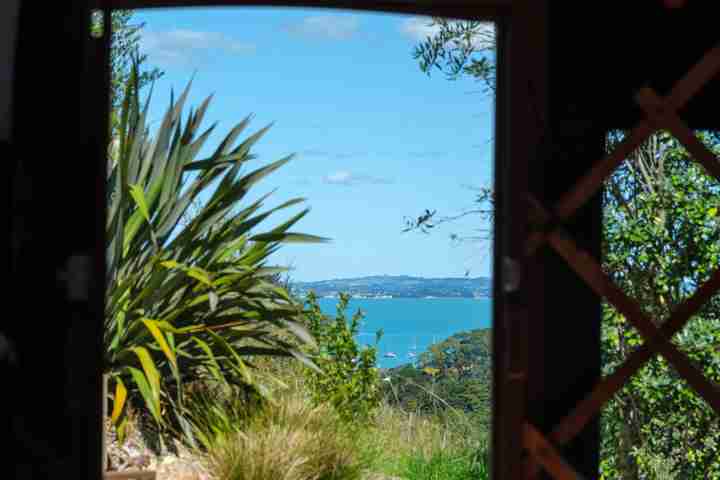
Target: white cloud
(339,177)
(182,47)
(333,27)
(419,28)
(343,177)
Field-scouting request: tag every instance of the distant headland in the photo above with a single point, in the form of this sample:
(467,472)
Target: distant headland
(398,286)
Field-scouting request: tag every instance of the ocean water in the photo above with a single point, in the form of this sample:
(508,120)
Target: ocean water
(413,324)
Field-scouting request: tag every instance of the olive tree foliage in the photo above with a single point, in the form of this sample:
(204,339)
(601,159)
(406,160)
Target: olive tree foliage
(484,207)
(661,242)
(459,48)
(124,52)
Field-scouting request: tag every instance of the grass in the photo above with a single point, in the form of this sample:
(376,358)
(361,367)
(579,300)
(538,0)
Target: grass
(291,439)
(303,445)
(288,440)
(420,447)
(445,466)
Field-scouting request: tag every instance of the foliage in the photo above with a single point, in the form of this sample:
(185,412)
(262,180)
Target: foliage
(191,301)
(124,51)
(485,206)
(349,379)
(444,465)
(454,375)
(218,409)
(459,47)
(293,440)
(661,241)
(410,445)
(242,442)
(483,210)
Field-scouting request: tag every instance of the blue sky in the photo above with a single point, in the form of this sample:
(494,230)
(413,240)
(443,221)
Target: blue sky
(376,139)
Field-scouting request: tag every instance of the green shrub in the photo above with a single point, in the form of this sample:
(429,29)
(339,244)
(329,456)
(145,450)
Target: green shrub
(349,379)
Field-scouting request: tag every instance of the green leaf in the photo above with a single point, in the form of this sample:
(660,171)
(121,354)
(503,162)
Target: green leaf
(233,354)
(138,195)
(151,372)
(210,357)
(289,237)
(172,264)
(200,274)
(154,330)
(146,392)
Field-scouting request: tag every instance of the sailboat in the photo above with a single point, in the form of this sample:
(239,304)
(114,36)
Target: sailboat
(390,355)
(412,353)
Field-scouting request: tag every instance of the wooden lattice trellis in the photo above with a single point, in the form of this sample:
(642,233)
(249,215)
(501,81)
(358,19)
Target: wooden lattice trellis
(660,114)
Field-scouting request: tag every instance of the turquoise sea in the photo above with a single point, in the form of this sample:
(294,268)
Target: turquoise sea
(410,325)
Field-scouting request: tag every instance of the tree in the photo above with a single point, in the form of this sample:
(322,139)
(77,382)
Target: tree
(452,374)
(484,208)
(459,47)
(124,51)
(661,241)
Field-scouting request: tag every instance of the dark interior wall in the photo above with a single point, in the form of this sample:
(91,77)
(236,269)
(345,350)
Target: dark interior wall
(55,215)
(604,55)
(9,10)
(45,152)
(8,21)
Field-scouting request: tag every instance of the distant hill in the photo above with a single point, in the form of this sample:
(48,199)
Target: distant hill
(399,286)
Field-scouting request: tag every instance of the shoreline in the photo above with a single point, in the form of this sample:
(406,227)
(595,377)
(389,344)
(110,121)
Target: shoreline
(406,298)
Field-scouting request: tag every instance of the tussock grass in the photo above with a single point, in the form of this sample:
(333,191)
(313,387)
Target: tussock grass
(242,438)
(288,440)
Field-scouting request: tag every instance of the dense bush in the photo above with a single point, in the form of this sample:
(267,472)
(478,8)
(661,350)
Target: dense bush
(454,374)
(348,378)
(661,242)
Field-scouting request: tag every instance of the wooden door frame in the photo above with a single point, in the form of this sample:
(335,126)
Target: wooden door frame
(522,99)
